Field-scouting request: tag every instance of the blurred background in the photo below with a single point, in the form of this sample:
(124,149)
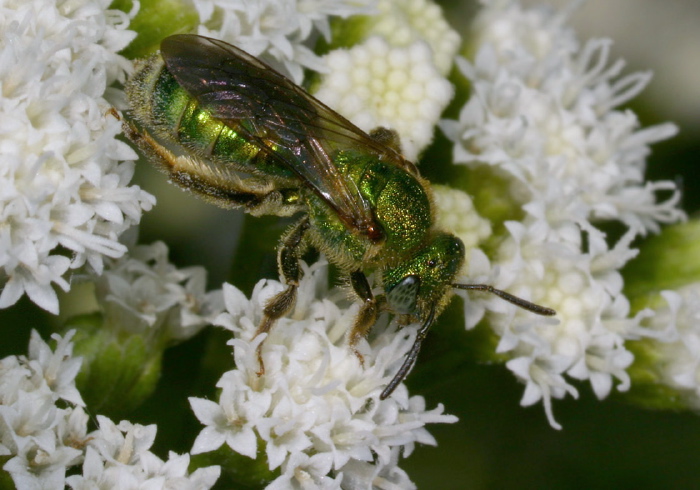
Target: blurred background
(496,443)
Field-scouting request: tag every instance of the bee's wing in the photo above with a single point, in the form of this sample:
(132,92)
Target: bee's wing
(286,122)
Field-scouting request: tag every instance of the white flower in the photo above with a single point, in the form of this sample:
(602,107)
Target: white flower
(229,421)
(117,456)
(38,468)
(64,181)
(301,471)
(52,372)
(374,84)
(123,443)
(316,409)
(361,475)
(43,439)
(144,292)
(402,22)
(456,214)
(543,111)
(543,128)
(277,28)
(57,368)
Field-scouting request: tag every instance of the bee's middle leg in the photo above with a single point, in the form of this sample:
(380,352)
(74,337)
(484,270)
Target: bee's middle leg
(288,262)
(369,311)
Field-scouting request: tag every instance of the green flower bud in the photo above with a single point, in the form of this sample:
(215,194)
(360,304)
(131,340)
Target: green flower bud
(156,20)
(665,262)
(119,371)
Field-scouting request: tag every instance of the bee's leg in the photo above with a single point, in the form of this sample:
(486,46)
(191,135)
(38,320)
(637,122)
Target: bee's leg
(367,316)
(288,263)
(227,191)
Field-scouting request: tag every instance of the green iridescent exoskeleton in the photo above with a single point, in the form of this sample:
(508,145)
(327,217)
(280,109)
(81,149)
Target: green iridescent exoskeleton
(226,126)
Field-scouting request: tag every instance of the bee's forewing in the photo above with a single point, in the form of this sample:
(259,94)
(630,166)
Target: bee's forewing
(290,125)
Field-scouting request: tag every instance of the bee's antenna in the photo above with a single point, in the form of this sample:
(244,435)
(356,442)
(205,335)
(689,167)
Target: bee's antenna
(522,303)
(410,357)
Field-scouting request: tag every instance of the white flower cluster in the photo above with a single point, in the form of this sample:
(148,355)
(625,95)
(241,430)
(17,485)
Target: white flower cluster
(543,116)
(374,84)
(316,409)
(64,176)
(402,22)
(395,77)
(144,292)
(455,211)
(42,440)
(278,28)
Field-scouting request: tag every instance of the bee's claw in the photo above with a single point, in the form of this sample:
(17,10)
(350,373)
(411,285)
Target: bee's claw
(261,363)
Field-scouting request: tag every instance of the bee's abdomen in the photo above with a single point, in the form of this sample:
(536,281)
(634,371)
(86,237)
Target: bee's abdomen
(160,103)
(193,127)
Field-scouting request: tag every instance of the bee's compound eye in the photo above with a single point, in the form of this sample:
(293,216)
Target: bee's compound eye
(402,297)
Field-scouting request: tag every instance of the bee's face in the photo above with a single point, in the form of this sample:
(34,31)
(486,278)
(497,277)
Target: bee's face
(424,281)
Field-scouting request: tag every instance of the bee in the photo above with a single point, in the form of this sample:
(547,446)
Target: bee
(234,131)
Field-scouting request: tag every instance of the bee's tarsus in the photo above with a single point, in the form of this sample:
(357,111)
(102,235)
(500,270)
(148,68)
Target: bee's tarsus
(261,363)
(281,303)
(359,356)
(114,113)
(411,357)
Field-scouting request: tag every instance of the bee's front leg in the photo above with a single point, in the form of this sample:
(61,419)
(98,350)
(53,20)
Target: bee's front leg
(369,311)
(288,262)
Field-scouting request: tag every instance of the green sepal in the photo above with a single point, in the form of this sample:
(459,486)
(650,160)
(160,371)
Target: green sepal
(648,389)
(666,261)
(119,370)
(6,482)
(156,20)
(346,33)
(237,471)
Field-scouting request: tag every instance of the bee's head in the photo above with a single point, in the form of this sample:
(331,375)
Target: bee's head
(421,287)
(423,282)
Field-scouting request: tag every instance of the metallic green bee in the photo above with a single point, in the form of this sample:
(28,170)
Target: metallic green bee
(225,125)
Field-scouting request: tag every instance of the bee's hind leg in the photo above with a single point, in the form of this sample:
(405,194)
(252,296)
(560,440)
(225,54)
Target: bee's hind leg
(288,262)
